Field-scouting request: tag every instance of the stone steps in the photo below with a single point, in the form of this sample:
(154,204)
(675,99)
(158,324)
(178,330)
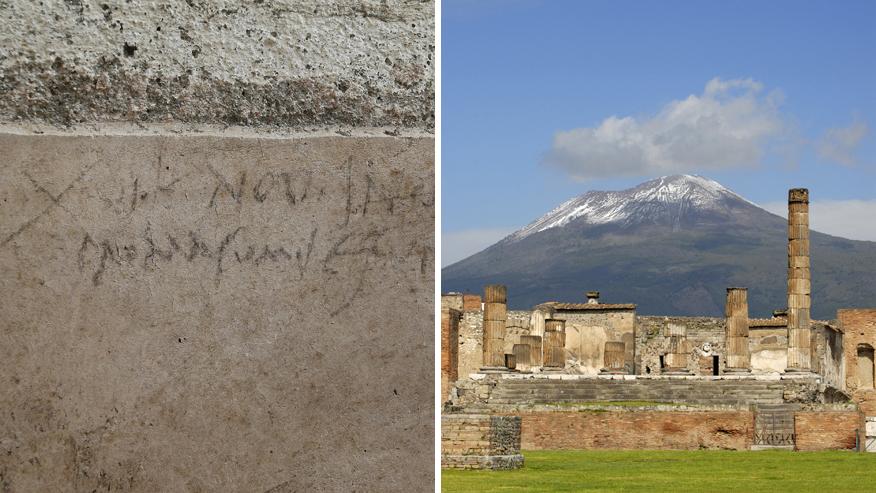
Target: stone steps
(706,392)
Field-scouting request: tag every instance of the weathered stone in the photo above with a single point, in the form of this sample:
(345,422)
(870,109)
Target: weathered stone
(478,441)
(283,63)
(799,288)
(209,312)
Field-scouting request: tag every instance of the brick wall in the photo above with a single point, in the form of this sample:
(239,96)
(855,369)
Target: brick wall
(677,430)
(859,328)
(826,430)
(449,349)
(471,303)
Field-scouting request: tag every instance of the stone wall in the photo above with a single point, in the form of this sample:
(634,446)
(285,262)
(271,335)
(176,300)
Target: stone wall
(769,349)
(216,245)
(828,357)
(826,430)
(452,301)
(705,335)
(471,343)
(480,441)
(587,331)
(636,429)
(517,325)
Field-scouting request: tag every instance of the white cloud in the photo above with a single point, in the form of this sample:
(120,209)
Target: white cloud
(458,245)
(851,219)
(839,144)
(729,124)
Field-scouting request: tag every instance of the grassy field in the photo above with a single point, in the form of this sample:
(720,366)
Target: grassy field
(651,471)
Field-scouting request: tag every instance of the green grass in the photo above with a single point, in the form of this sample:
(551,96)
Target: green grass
(652,471)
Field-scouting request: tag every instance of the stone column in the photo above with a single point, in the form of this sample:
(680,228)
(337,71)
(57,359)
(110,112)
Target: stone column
(736,313)
(554,344)
(536,323)
(449,349)
(535,354)
(495,315)
(522,356)
(614,358)
(799,287)
(676,359)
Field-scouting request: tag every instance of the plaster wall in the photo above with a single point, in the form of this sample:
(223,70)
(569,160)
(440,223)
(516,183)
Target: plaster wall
(216,245)
(209,313)
(588,331)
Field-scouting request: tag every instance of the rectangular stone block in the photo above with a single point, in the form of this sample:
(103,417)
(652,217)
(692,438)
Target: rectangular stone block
(798,262)
(798,232)
(798,247)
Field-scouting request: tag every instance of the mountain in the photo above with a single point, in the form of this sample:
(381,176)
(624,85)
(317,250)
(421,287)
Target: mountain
(671,245)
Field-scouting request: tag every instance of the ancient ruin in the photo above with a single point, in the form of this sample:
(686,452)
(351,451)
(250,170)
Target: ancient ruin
(593,375)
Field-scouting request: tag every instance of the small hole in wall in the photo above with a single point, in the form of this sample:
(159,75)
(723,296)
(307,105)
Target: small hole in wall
(129,50)
(648,370)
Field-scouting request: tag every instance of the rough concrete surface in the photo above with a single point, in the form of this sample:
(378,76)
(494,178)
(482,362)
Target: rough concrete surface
(364,63)
(215,312)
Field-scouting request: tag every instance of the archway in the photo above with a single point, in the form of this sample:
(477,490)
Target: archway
(865,366)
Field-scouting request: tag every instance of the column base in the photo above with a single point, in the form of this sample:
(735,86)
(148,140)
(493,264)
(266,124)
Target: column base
(551,369)
(737,371)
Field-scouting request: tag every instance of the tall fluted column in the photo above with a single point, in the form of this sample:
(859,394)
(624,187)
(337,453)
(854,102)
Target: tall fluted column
(799,285)
(736,311)
(495,315)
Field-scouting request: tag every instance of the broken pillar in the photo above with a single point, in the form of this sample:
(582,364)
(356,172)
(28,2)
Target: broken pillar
(736,312)
(495,315)
(522,357)
(536,323)
(676,359)
(799,286)
(614,357)
(554,342)
(534,343)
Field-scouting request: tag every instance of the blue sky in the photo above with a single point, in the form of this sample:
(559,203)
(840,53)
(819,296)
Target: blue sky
(544,100)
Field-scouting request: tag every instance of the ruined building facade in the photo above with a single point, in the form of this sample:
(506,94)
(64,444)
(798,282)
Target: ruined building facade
(672,382)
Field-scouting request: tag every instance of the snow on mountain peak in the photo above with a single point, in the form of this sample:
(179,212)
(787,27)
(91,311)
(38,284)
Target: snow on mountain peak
(685,191)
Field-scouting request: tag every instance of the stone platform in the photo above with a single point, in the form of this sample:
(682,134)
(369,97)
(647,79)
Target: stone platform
(480,441)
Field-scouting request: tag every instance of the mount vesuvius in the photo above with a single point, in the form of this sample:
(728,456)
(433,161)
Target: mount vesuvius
(671,245)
